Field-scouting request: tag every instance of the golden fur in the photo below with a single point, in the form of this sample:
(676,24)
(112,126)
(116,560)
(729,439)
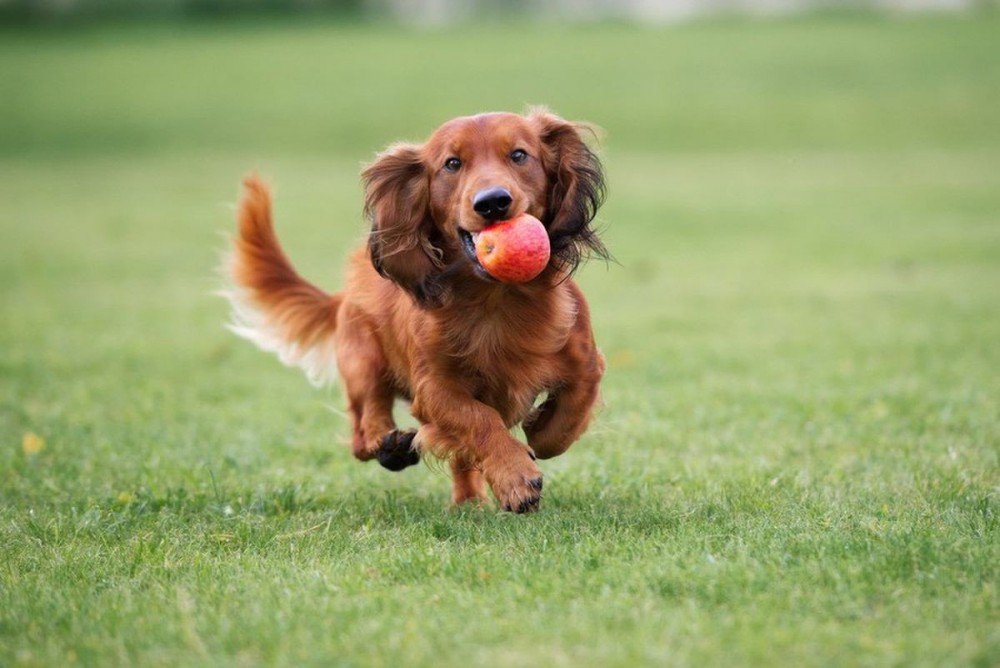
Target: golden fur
(419,319)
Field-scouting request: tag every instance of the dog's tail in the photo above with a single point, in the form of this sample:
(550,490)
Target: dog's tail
(271,304)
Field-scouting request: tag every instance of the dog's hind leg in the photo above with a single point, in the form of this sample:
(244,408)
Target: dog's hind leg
(467,483)
(371,396)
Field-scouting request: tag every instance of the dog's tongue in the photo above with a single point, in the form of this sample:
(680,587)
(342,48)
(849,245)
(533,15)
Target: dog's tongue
(515,250)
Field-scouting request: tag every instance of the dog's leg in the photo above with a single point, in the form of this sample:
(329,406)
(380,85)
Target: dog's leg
(561,419)
(371,398)
(564,415)
(460,428)
(375,434)
(467,482)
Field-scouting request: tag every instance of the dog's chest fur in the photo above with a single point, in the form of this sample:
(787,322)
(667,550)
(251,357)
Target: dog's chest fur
(506,352)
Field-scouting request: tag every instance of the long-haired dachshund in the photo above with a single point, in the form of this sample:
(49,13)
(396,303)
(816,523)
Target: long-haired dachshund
(420,319)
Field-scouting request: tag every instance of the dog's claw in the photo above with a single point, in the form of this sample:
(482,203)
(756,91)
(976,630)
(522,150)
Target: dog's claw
(528,505)
(528,500)
(396,450)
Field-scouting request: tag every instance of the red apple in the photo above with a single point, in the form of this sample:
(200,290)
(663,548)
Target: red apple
(514,250)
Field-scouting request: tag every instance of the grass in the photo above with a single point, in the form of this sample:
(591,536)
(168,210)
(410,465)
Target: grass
(797,462)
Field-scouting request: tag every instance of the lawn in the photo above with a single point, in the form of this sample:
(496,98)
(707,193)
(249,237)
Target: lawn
(798,457)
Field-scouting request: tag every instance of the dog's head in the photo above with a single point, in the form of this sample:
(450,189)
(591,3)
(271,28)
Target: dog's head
(425,201)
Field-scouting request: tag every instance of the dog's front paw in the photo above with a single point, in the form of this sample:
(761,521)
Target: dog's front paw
(518,488)
(396,452)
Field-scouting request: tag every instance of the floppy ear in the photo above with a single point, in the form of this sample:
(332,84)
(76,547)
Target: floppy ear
(576,180)
(403,235)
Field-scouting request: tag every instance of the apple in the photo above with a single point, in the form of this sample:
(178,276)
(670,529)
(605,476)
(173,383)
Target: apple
(514,250)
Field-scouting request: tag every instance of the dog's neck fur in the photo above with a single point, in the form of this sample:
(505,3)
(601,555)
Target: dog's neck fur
(541,312)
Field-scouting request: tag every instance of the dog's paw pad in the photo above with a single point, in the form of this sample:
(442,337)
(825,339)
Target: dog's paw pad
(396,451)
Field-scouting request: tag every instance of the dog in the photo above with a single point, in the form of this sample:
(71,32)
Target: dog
(420,319)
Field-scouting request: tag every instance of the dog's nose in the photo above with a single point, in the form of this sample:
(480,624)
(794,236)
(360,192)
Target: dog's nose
(492,203)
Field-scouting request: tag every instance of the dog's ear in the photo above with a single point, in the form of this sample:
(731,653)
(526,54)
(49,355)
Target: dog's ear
(404,243)
(576,181)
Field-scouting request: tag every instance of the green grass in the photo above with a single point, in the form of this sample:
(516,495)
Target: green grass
(798,460)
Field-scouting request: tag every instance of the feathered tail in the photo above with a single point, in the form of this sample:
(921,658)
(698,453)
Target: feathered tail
(271,304)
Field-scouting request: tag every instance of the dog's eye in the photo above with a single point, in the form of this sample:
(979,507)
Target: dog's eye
(452,164)
(518,156)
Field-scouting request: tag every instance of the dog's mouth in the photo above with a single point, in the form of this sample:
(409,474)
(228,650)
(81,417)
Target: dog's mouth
(468,240)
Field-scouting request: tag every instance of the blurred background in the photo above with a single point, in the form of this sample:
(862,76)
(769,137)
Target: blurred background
(450,11)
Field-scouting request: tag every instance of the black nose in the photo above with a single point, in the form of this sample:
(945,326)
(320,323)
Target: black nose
(492,203)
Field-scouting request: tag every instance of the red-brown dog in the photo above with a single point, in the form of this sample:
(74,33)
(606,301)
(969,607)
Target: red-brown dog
(420,319)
